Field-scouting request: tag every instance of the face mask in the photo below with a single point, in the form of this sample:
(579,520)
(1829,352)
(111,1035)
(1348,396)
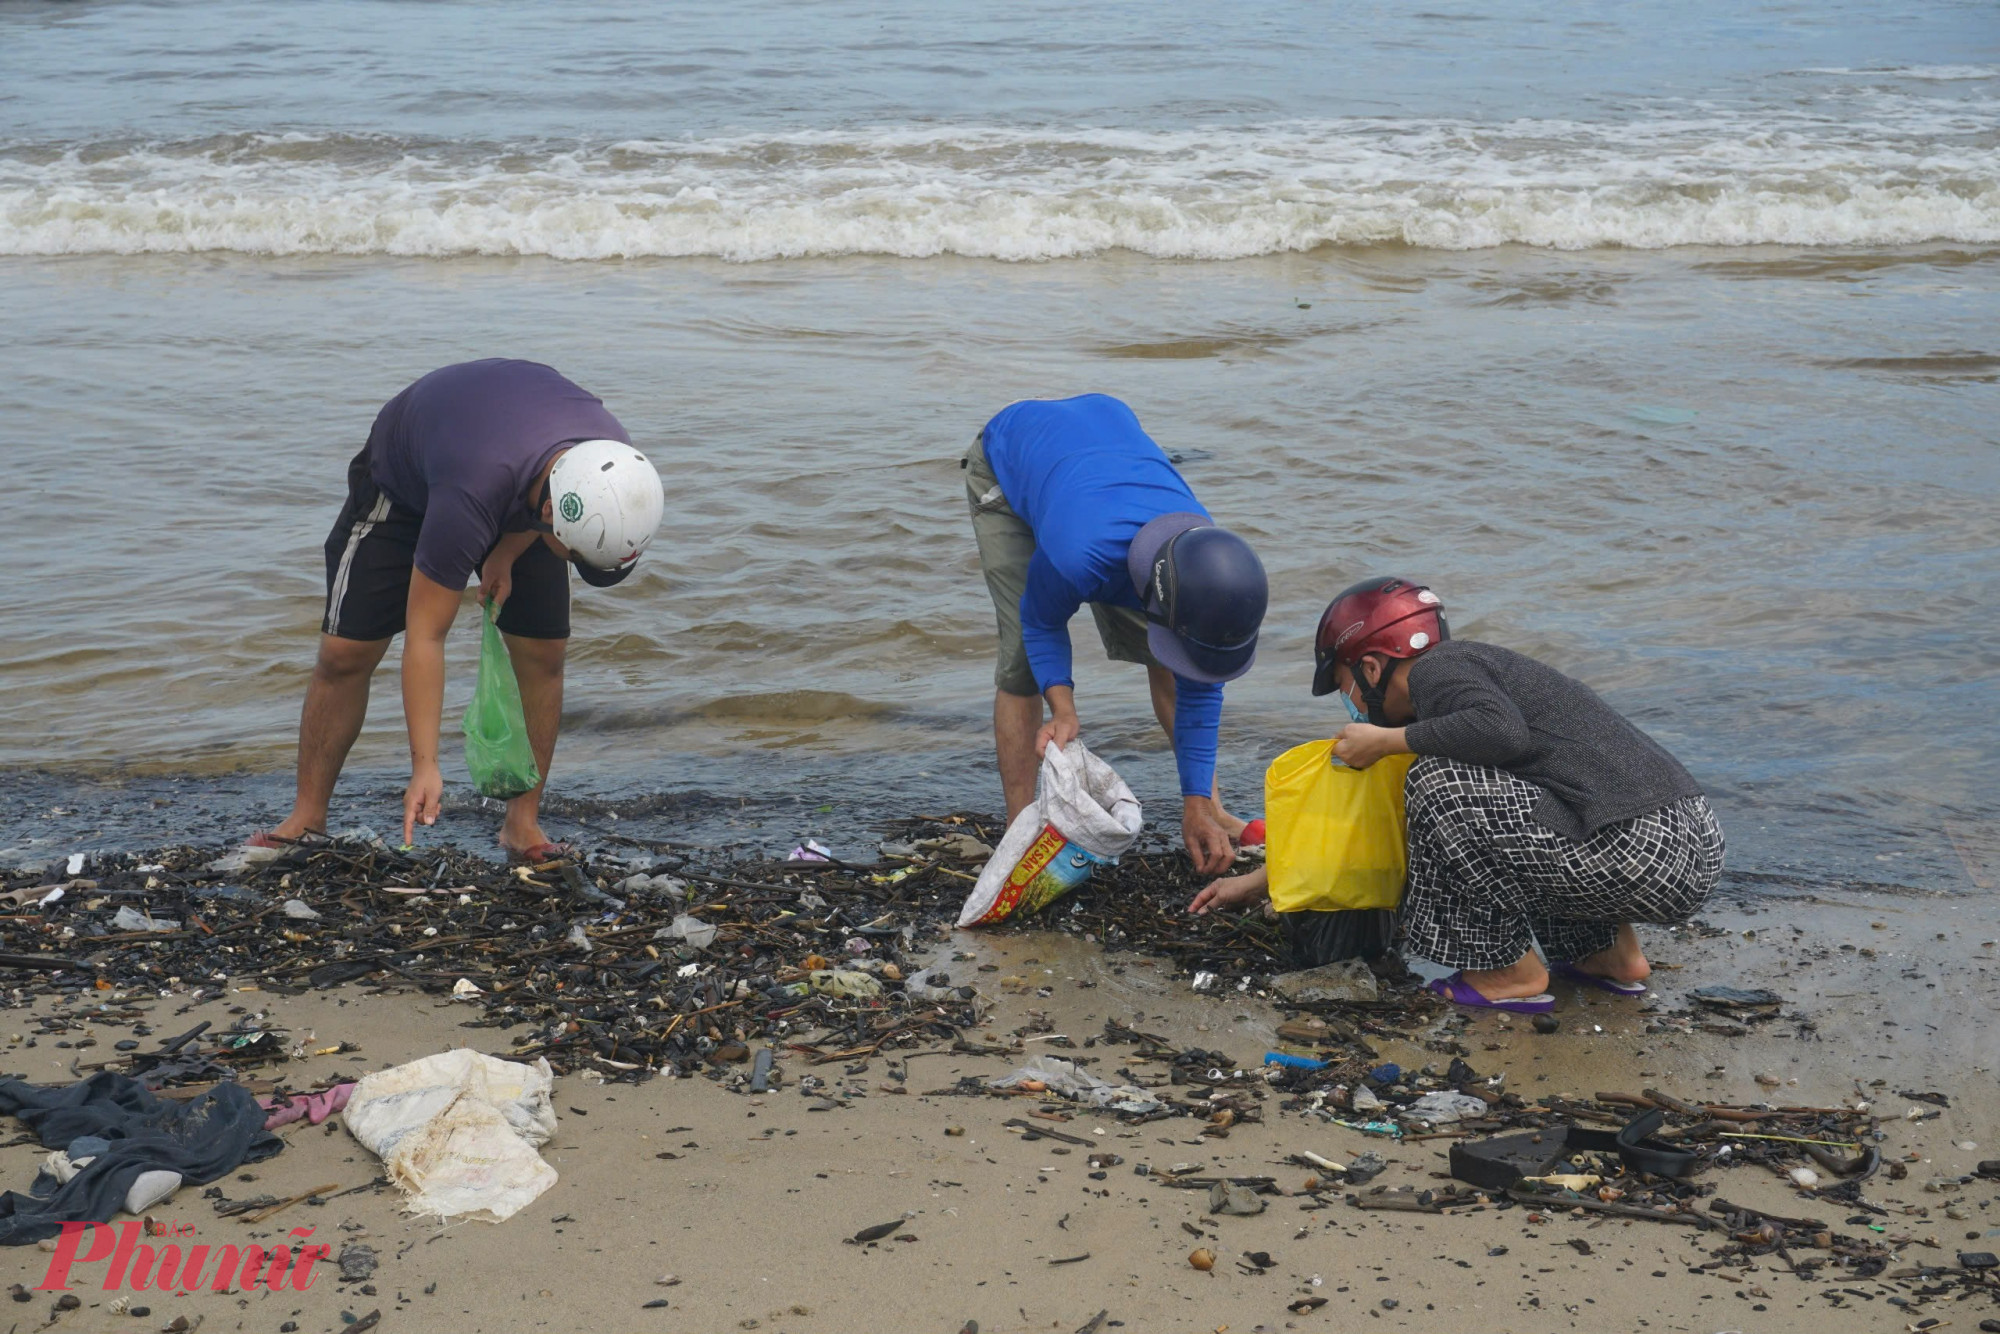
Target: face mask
(1352,711)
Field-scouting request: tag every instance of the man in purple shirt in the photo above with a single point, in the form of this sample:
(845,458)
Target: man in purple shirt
(498,468)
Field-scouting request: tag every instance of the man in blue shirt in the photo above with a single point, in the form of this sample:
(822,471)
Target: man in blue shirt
(1071,503)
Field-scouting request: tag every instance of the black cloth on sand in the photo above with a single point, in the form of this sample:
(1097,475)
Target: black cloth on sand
(205,1137)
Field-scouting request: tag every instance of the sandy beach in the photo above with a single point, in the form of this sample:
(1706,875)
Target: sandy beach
(734,1209)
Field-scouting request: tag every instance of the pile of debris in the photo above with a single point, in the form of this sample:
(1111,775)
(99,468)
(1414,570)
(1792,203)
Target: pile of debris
(633,968)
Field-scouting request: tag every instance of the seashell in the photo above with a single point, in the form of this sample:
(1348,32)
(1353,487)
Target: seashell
(1202,1258)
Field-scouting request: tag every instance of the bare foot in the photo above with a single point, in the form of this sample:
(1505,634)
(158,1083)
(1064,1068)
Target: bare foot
(1526,976)
(1621,961)
(520,837)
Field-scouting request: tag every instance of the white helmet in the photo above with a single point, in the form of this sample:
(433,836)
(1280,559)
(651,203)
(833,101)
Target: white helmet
(606,504)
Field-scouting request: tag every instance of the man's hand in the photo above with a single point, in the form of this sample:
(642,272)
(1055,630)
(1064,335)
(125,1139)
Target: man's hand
(1236,891)
(496,574)
(1207,841)
(496,581)
(422,800)
(1063,725)
(1359,745)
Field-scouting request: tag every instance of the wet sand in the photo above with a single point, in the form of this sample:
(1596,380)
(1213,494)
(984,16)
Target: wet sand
(749,1212)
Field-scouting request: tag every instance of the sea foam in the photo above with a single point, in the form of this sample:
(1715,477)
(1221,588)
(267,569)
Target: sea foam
(1922,172)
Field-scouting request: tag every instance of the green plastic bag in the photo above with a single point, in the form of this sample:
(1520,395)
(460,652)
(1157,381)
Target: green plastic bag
(496,732)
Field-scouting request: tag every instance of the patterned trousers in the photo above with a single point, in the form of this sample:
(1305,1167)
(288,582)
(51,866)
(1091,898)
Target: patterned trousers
(1487,879)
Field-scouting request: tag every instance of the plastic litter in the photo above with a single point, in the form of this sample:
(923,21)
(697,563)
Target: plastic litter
(935,985)
(243,859)
(964,847)
(497,752)
(812,850)
(1068,1080)
(1083,816)
(844,983)
(298,911)
(1365,1168)
(1225,1198)
(459,1132)
(1345,980)
(131,919)
(1443,1108)
(690,928)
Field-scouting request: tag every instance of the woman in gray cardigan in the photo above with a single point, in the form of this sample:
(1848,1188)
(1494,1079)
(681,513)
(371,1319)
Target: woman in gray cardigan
(1536,811)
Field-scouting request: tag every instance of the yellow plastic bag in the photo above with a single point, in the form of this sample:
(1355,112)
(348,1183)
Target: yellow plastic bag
(1334,835)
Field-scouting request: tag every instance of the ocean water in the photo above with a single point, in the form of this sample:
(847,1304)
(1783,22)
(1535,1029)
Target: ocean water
(1660,339)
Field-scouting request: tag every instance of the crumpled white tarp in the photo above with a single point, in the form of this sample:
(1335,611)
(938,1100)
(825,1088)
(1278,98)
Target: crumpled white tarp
(459,1132)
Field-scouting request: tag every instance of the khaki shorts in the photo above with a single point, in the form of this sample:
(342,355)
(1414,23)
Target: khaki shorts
(1006,544)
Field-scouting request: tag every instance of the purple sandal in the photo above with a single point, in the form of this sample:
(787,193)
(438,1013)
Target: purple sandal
(1569,972)
(1461,992)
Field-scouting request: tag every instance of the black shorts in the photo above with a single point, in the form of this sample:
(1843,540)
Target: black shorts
(372,548)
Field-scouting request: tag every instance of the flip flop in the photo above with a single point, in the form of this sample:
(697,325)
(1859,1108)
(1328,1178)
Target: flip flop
(1569,972)
(1461,992)
(264,839)
(543,852)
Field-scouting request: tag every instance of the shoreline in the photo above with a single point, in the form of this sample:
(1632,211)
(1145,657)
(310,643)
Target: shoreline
(751,1211)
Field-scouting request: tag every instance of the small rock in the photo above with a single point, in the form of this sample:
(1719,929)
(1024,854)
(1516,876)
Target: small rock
(954,1131)
(69,1301)
(658,1303)
(1390,1303)
(1547,1023)
(357,1262)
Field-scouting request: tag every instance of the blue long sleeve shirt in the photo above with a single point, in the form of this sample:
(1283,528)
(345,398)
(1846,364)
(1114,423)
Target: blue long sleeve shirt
(1086,478)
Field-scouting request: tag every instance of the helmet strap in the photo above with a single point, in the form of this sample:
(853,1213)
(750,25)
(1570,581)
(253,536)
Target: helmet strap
(1376,696)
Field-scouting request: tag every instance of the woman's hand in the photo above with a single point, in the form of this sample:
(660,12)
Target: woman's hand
(1359,745)
(1236,891)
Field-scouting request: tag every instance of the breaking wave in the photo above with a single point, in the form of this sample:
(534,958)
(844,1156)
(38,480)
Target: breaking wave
(1921,173)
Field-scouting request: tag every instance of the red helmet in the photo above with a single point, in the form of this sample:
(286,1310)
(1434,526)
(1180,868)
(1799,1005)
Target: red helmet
(1390,616)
